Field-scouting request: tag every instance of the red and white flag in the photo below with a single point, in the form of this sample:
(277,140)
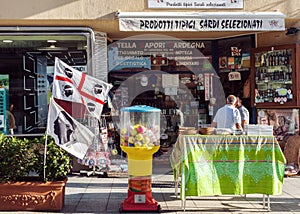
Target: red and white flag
(72,85)
(68,133)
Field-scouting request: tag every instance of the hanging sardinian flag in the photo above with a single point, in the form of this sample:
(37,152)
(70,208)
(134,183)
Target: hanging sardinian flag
(72,85)
(68,133)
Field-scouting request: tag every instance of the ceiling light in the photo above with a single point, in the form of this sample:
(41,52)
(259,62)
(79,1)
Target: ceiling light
(51,41)
(52,48)
(7,41)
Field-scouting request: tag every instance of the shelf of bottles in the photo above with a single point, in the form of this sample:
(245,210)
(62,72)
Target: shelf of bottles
(273,76)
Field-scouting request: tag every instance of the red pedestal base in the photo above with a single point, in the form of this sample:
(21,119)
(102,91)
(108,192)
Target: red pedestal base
(140,201)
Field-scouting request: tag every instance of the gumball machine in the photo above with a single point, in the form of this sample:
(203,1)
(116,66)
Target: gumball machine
(139,139)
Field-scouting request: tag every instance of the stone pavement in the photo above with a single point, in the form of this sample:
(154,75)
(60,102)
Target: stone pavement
(95,194)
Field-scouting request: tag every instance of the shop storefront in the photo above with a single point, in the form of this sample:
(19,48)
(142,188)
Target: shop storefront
(195,75)
(195,47)
(183,57)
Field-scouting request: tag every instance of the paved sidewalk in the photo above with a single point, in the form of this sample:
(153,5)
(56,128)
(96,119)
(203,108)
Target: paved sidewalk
(105,195)
(95,194)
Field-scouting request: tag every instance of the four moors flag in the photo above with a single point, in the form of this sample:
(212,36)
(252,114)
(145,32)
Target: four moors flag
(68,133)
(72,85)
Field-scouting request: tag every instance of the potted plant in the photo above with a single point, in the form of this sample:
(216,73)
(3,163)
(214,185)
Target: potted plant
(26,183)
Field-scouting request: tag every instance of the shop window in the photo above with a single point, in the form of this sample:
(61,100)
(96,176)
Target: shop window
(166,74)
(26,73)
(197,75)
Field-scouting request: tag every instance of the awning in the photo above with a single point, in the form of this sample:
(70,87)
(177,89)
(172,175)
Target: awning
(201,21)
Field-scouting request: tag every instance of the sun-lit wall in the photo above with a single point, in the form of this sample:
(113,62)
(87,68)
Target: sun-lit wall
(95,9)
(100,15)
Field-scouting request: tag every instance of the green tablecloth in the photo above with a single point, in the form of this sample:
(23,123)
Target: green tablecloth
(226,164)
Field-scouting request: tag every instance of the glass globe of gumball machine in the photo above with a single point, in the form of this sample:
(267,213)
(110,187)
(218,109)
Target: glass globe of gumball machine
(139,139)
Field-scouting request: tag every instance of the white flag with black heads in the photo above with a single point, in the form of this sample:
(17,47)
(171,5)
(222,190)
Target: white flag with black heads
(68,133)
(72,85)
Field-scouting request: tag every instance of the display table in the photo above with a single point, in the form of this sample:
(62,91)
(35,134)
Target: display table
(227,165)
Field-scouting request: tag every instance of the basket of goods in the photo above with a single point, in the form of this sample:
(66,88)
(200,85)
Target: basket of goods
(206,130)
(187,130)
(223,131)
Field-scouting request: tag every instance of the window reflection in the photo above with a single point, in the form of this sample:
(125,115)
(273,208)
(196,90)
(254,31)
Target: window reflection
(27,67)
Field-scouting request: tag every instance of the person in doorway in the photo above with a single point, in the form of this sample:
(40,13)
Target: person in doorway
(228,116)
(11,119)
(243,112)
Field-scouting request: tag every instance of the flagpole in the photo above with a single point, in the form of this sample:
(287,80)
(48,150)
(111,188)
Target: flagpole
(46,140)
(45,154)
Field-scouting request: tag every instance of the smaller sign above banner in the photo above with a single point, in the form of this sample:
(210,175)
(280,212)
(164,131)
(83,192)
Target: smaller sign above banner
(202,21)
(203,4)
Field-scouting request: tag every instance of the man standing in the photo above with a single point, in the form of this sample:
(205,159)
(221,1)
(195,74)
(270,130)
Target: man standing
(228,116)
(243,111)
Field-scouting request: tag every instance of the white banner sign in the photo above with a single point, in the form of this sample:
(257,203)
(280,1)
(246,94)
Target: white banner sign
(201,21)
(196,4)
(201,24)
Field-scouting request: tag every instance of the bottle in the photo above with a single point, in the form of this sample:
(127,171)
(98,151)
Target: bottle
(276,62)
(277,76)
(289,73)
(275,94)
(265,95)
(289,57)
(262,60)
(262,75)
(270,60)
(270,93)
(266,77)
(271,75)
(257,75)
(282,58)
(285,75)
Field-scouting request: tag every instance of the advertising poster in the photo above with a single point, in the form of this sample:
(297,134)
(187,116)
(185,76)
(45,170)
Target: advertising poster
(284,121)
(4,81)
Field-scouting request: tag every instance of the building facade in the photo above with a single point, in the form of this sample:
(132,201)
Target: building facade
(195,41)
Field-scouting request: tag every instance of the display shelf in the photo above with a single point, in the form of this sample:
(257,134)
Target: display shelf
(274,76)
(3,108)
